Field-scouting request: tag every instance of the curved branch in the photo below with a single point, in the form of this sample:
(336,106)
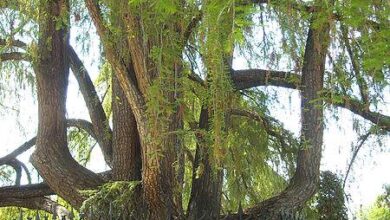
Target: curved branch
(18,170)
(18,167)
(101,127)
(82,124)
(304,183)
(363,139)
(26,171)
(21,149)
(78,123)
(359,108)
(249,78)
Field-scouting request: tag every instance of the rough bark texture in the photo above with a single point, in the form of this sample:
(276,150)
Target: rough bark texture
(126,146)
(131,149)
(120,67)
(38,203)
(249,78)
(305,180)
(158,178)
(205,200)
(51,157)
(28,191)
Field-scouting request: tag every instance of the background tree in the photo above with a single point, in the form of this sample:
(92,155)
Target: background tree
(186,136)
(380,209)
(330,202)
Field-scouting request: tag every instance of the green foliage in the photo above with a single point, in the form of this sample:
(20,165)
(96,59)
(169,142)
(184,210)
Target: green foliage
(80,144)
(330,200)
(380,210)
(217,50)
(256,164)
(15,212)
(6,175)
(103,85)
(117,198)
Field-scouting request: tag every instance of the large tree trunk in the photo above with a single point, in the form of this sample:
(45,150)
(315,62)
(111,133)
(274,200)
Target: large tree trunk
(205,200)
(126,146)
(159,180)
(127,163)
(52,157)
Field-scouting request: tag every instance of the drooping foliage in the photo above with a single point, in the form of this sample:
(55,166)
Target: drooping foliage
(191,75)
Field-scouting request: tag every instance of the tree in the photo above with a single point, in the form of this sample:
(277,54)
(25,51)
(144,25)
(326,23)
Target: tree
(330,202)
(381,208)
(179,110)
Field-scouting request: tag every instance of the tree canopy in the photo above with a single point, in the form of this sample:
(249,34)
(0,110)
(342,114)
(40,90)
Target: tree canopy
(178,106)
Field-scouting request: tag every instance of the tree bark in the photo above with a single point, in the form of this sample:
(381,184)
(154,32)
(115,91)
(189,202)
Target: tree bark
(127,164)
(205,200)
(37,203)
(52,157)
(28,191)
(96,112)
(305,180)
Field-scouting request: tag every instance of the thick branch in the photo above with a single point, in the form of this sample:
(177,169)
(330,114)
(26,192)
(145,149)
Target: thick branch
(82,124)
(359,108)
(51,157)
(23,148)
(13,56)
(26,191)
(205,197)
(13,43)
(305,180)
(130,87)
(78,123)
(36,190)
(101,127)
(249,78)
(37,203)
